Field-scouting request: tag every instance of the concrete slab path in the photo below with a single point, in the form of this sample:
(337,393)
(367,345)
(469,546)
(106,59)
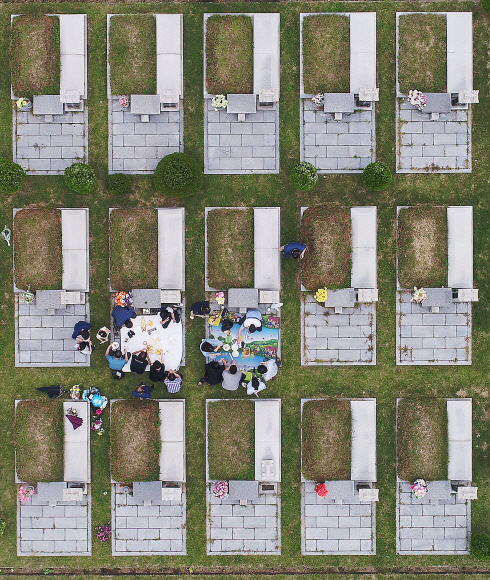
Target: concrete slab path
(267,258)
(460,247)
(266,31)
(429,338)
(75,253)
(364,252)
(363,461)
(459,430)
(459,51)
(171,248)
(330,528)
(268,437)
(172,434)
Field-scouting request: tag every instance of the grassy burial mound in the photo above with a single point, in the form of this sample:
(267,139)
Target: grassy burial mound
(326,54)
(326,435)
(230,237)
(135,441)
(37,249)
(231,440)
(134,248)
(422,53)
(133,54)
(422,440)
(35,53)
(422,247)
(229,55)
(327,231)
(39,440)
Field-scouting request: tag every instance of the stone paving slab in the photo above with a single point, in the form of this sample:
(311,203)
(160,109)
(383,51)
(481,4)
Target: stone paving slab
(44,340)
(267,258)
(75,242)
(428,338)
(236,147)
(363,450)
(432,146)
(364,252)
(362,27)
(136,147)
(345,146)
(63,530)
(459,51)
(459,429)
(328,338)
(460,246)
(42,148)
(342,529)
(268,436)
(428,528)
(251,529)
(266,31)
(157,529)
(171,248)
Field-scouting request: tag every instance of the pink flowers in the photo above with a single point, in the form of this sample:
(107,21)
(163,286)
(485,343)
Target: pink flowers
(98,411)
(25,493)
(103,533)
(220,489)
(321,489)
(124,102)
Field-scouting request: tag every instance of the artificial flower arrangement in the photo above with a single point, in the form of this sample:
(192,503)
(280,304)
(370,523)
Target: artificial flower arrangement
(27,296)
(96,426)
(124,102)
(220,489)
(75,392)
(419,295)
(321,295)
(321,489)
(220,297)
(25,493)
(219,102)
(123,298)
(417,99)
(419,488)
(23,102)
(318,99)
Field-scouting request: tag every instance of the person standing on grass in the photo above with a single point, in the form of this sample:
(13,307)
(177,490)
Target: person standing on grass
(201,309)
(173,382)
(293,250)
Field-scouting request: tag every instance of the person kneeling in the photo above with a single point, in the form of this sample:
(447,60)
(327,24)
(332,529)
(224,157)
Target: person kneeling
(142,391)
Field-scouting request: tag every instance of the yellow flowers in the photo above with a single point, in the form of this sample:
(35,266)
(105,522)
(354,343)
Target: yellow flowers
(321,295)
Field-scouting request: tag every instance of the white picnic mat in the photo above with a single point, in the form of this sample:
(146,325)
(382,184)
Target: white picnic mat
(149,332)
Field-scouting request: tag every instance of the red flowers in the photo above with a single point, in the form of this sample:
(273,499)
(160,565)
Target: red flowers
(321,490)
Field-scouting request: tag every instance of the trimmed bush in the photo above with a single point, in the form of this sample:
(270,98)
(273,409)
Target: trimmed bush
(304,176)
(11,176)
(120,183)
(80,178)
(178,175)
(376,176)
(480,546)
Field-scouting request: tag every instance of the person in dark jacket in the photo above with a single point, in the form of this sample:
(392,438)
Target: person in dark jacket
(139,362)
(213,372)
(79,326)
(200,309)
(122,316)
(157,371)
(143,391)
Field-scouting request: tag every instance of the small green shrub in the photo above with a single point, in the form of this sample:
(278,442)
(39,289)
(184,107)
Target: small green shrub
(11,176)
(485,5)
(120,183)
(80,178)
(304,176)
(178,175)
(480,546)
(376,176)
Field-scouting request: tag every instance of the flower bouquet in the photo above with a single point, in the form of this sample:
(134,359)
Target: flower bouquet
(75,392)
(124,102)
(25,493)
(123,298)
(23,103)
(220,297)
(417,99)
(219,102)
(318,99)
(220,489)
(419,488)
(321,295)
(96,426)
(27,296)
(419,295)
(321,489)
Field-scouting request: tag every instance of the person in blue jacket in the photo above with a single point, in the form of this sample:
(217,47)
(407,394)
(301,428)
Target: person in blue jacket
(293,250)
(79,326)
(122,315)
(143,391)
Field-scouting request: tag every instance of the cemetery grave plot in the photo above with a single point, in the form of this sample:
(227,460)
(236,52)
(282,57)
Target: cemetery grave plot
(133,248)
(229,54)
(132,54)
(230,248)
(37,249)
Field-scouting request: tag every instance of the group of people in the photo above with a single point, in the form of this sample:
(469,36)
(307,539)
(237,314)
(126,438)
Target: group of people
(81,335)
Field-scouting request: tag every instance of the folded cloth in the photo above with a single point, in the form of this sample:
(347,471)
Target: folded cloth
(75,421)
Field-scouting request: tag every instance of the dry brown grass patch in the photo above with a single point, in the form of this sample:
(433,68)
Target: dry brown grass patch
(422,247)
(422,440)
(230,237)
(231,440)
(327,231)
(135,441)
(39,440)
(37,249)
(326,440)
(326,54)
(134,248)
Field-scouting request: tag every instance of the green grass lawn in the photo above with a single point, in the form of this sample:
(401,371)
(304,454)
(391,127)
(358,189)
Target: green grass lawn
(385,381)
